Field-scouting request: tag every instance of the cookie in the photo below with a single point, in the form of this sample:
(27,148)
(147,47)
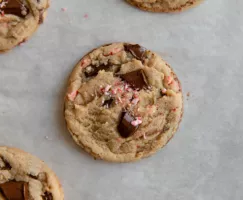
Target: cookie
(25,177)
(164,5)
(18,20)
(123,102)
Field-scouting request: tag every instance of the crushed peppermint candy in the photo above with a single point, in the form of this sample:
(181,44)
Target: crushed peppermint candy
(126,87)
(107,88)
(135,101)
(3,4)
(119,99)
(164,91)
(114,51)
(135,95)
(85,62)
(72,95)
(169,80)
(174,110)
(113,91)
(136,122)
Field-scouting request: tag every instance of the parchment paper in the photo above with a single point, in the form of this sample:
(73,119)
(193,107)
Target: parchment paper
(204,46)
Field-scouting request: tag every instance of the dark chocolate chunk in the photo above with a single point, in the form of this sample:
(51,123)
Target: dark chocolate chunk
(94,70)
(136,50)
(6,166)
(14,7)
(47,196)
(136,79)
(108,103)
(15,190)
(125,126)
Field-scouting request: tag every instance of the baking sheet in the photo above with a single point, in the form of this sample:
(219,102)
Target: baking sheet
(203,45)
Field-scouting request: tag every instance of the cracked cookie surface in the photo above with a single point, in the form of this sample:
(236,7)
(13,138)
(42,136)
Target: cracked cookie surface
(164,5)
(19,19)
(25,177)
(123,102)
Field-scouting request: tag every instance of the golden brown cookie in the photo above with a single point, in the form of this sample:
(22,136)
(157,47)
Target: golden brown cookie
(19,19)
(123,102)
(164,5)
(25,177)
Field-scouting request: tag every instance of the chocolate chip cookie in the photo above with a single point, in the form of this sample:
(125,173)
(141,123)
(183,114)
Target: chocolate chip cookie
(25,177)
(19,19)
(123,102)
(164,5)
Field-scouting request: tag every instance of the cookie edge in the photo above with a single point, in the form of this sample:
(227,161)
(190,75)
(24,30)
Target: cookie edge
(49,170)
(95,155)
(192,4)
(31,34)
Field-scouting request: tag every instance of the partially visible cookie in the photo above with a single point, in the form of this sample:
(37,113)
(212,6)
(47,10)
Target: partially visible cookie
(123,102)
(18,20)
(25,177)
(164,5)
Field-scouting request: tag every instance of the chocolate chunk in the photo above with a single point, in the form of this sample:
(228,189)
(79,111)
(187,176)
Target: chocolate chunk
(15,190)
(47,196)
(14,7)
(136,79)
(6,166)
(108,103)
(136,50)
(94,70)
(125,127)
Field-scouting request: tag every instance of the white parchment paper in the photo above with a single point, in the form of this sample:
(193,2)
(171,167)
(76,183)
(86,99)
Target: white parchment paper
(204,45)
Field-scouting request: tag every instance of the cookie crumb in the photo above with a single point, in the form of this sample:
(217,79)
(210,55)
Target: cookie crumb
(188,94)
(47,138)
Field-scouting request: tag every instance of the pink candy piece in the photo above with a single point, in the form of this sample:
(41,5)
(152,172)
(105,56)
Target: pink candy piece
(176,85)
(113,92)
(64,9)
(135,101)
(85,62)
(119,99)
(163,90)
(136,122)
(119,90)
(135,95)
(72,95)
(86,16)
(107,88)
(118,83)
(126,87)
(139,118)
(114,51)
(174,110)
(169,80)
(102,90)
